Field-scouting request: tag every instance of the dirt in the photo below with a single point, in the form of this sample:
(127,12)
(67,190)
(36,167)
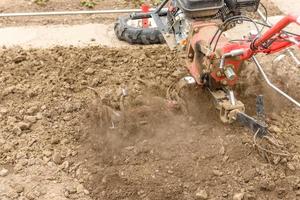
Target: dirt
(66,132)
(54,145)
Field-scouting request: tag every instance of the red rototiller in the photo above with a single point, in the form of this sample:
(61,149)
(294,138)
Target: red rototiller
(213,60)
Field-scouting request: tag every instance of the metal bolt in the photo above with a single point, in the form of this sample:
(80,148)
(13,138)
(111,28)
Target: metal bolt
(219,74)
(224,82)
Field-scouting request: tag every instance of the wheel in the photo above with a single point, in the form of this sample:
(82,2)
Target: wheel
(129,30)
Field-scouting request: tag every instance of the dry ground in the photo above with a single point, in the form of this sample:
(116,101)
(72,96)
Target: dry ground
(55,144)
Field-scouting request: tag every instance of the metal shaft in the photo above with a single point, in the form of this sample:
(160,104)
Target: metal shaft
(271,84)
(80,12)
(264,18)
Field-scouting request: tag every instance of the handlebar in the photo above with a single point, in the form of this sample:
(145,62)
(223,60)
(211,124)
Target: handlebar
(277,28)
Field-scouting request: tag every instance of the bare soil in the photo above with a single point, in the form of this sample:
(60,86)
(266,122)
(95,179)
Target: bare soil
(55,143)
(66,133)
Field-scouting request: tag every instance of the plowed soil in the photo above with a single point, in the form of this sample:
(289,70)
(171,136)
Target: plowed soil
(55,143)
(67,131)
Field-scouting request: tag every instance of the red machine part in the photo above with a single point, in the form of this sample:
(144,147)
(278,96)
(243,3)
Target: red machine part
(145,21)
(272,41)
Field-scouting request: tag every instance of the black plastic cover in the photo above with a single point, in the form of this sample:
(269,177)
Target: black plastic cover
(200,8)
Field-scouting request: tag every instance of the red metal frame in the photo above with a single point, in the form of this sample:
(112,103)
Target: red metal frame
(272,41)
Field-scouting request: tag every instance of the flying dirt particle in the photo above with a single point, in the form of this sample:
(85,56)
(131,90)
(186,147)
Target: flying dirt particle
(238,196)
(201,194)
(3,172)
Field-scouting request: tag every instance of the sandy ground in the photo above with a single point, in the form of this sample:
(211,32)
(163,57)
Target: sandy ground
(67,133)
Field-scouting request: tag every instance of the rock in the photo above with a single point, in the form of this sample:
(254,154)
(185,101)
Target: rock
(89,71)
(249,175)
(17,131)
(79,188)
(57,159)
(23,126)
(291,166)
(71,189)
(86,192)
(47,153)
(3,111)
(18,188)
(222,150)
(217,172)
(201,195)
(32,110)
(30,119)
(55,140)
(19,59)
(267,185)
(11,120)
(8,90)
(275,129)
(39,116)
(3,172)
(238,196)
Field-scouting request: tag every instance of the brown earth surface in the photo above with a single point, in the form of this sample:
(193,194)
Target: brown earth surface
(66,132)
(56,144)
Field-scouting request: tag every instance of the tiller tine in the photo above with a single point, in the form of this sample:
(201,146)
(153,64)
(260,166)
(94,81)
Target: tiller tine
(258,126)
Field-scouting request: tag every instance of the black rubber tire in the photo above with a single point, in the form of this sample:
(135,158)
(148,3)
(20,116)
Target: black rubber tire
(134,35)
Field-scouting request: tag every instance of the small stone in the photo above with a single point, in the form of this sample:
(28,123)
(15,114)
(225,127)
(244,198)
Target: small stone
(3,111)
(17,130)
(30,119)
(79,188)
(170,172)
(217,172)
(3,172)
(238,196)
(275,129)
(39,116)
(89,71)
(266,185)
(201,195)
(71,189)
(19,59)
(23,126)
(57,159)
(19,188)
(222,150)
(32,110)
(290,166)
(55,140)
(86,192)
(47,153)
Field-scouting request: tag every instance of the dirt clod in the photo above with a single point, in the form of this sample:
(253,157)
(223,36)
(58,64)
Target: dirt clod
(4,172)
(201,194)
